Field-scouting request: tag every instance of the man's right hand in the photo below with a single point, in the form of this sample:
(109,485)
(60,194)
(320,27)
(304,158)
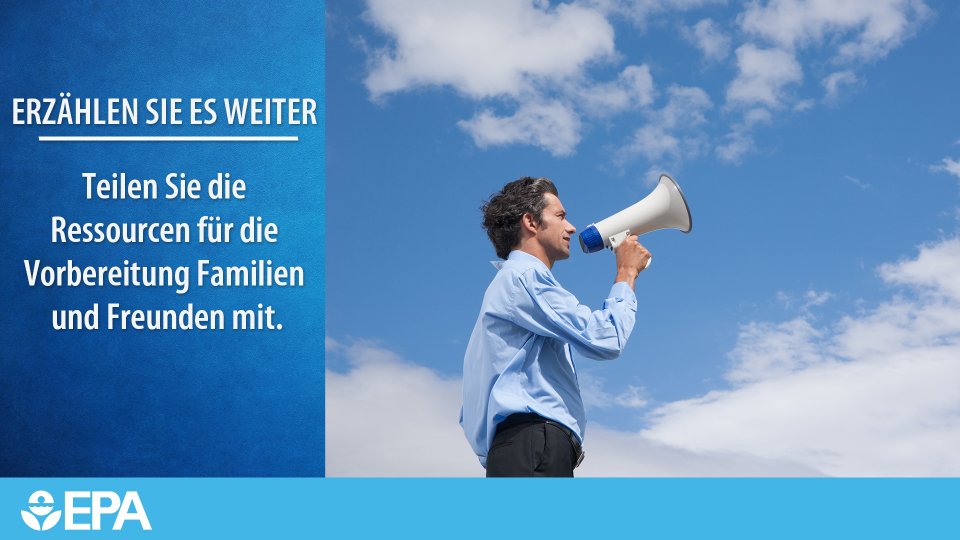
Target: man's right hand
(632,258)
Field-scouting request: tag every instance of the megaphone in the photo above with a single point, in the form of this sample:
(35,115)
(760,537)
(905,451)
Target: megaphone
(664,208)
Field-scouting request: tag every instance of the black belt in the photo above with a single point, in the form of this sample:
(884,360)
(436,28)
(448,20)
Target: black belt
(517,419)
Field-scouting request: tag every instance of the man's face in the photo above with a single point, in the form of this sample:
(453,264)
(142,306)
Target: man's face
(555,231)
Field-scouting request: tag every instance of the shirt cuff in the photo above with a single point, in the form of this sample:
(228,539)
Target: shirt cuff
(621,292)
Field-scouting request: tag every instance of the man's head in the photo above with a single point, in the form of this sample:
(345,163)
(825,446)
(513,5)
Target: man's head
(527,214)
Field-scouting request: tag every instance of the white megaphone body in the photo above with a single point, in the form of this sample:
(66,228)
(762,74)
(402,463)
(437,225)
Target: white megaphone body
(664,208)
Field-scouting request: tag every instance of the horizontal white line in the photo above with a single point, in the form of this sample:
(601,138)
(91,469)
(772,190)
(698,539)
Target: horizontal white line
(44,138)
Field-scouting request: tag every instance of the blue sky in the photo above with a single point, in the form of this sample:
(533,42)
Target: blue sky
(807,325)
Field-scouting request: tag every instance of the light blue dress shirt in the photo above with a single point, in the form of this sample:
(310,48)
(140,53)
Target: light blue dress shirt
(519,356)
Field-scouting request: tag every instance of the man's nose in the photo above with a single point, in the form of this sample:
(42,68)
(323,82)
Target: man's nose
(570,228)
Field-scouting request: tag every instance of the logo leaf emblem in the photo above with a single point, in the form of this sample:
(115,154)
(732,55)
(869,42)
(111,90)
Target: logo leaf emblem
(31,520)
(51,520)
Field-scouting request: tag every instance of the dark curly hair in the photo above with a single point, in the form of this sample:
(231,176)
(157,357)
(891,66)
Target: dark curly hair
(502,212)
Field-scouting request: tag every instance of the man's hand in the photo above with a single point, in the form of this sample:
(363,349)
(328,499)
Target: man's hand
(632,258)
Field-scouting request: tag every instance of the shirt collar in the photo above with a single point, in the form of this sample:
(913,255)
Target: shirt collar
(523,258)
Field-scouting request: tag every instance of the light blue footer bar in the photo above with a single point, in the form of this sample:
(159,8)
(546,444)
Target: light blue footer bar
(478,508)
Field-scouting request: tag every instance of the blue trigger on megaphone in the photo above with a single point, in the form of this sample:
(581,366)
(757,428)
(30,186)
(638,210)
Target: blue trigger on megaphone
(664,208)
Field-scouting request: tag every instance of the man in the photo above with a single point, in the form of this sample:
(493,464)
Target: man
(522,410)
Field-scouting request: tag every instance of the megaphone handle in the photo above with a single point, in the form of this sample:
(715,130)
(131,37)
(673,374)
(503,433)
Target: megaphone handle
(618,239)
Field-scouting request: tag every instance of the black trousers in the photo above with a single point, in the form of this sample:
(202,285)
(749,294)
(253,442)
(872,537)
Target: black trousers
(530,445)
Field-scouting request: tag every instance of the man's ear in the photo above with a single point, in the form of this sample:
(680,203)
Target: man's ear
(527,223)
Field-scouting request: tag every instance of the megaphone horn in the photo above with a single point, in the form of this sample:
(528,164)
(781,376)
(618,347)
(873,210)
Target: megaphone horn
(664,208)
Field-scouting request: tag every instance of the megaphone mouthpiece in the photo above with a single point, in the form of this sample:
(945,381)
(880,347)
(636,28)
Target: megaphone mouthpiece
(664,208)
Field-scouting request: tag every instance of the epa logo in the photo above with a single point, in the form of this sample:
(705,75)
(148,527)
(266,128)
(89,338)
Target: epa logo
(84,510)
(41,506)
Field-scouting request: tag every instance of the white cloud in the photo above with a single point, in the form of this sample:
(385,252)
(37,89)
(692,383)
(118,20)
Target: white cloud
(633,88)
(640,11)
(633,398)
(766,350)
(877,394)
(615,453)
(524,60)
(653,142)
(833,83)
(856,181)
(948,165)
(936,270)
(552,126)
(888,416)
(739,140)
(671,130)
(809,299)
(386,417)
(594,396)
(763,73)
(685,107)
(857,30)
(707,36)
(813,298)
(864,29)
(803,105)
(735,145)
(483,49)
(759,86)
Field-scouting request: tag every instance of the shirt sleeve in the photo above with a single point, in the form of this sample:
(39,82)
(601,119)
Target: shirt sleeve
(545,308)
